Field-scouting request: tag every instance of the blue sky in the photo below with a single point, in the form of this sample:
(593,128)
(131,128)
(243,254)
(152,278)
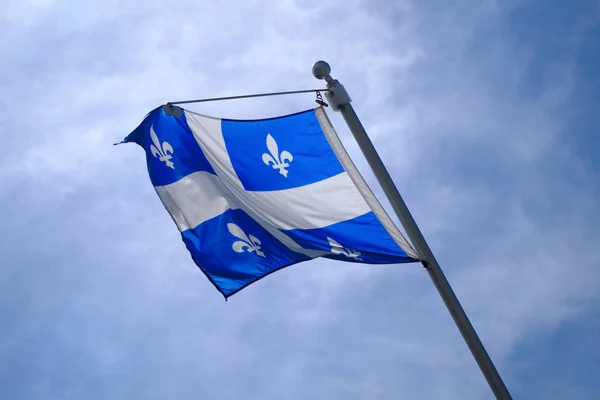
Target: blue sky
(484,114)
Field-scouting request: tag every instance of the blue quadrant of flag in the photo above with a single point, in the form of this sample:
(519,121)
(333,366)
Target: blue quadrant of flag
(253,196)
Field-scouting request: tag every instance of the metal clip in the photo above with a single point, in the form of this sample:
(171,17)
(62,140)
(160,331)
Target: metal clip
(172,110)
(320,101)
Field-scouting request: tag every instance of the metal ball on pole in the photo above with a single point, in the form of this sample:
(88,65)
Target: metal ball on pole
(340,101)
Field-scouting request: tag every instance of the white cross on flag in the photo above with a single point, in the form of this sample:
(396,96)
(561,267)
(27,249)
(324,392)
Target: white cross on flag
(253,196)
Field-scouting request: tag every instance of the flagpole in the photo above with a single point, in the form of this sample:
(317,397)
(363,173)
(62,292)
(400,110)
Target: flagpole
(340,101)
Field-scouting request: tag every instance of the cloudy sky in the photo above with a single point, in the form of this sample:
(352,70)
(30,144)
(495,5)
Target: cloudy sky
(482,111)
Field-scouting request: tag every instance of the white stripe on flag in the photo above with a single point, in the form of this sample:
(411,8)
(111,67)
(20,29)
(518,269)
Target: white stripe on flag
(209,136)
(194,199)
(317,205)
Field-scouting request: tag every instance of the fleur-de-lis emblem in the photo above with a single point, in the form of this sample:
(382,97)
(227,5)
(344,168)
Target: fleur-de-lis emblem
(275,159)
(247,243)
(163,152)
(337,248)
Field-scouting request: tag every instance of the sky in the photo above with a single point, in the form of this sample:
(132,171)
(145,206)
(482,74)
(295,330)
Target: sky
(483,112)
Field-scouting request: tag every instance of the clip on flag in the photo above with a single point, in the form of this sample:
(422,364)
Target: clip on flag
(253,196)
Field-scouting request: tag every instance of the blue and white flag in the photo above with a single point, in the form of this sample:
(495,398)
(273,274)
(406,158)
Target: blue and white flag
(253,196)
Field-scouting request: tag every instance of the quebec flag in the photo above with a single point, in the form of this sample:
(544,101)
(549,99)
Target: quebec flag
(253,196)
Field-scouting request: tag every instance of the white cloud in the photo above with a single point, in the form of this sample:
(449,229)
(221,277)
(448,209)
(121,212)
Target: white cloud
(26,12)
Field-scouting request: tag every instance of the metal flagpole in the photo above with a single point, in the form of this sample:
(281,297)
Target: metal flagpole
(340,101)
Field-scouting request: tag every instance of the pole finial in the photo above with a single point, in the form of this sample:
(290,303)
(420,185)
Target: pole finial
(321,70)
(336,94)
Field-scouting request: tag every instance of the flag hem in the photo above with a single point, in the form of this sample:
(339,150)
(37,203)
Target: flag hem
(362,186)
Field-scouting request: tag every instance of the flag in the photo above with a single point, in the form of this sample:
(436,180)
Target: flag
(253,196)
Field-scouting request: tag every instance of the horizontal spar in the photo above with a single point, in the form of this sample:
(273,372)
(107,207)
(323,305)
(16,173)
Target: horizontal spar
(246,96)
